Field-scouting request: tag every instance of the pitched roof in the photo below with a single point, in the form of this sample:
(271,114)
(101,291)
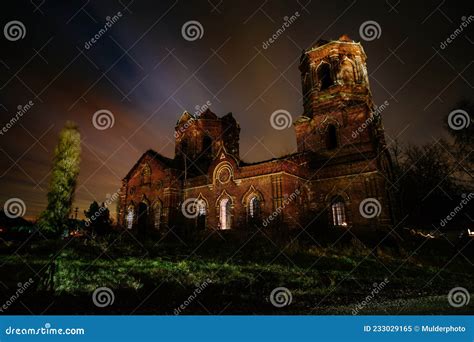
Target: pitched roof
(165,161)
(184,117)
(207,114)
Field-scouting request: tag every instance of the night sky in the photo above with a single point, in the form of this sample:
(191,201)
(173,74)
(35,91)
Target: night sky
(146,74)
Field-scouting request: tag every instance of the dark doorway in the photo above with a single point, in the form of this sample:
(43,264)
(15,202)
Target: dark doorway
(142,219)
(201,222)
(324,76)
(331,137)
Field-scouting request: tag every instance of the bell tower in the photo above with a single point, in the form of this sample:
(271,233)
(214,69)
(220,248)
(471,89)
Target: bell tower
(199,137)
(336,100)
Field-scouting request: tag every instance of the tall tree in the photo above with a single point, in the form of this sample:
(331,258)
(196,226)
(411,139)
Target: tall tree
(65,170)
(424,182)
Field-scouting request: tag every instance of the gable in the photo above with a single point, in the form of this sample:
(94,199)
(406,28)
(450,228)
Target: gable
(184,118)
(154,160)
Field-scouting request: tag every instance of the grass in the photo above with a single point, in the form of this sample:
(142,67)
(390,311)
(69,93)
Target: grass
(150,277)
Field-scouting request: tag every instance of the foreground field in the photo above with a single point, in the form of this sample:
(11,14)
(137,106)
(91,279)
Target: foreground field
(234,276)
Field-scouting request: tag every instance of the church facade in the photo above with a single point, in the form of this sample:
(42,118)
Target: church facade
(338,177)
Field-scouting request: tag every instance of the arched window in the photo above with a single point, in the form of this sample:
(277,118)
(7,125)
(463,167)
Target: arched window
(202,212)
(201,207)
(224,213)
(324,76)
(157,214)
(146,175)
(129,217)
(254,208)
(338,209)
(331,137)
(347,73)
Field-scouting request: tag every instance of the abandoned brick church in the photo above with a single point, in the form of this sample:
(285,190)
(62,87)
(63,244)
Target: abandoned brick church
(341,160)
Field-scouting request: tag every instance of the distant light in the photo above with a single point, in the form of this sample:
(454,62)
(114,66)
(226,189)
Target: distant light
(428,236)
